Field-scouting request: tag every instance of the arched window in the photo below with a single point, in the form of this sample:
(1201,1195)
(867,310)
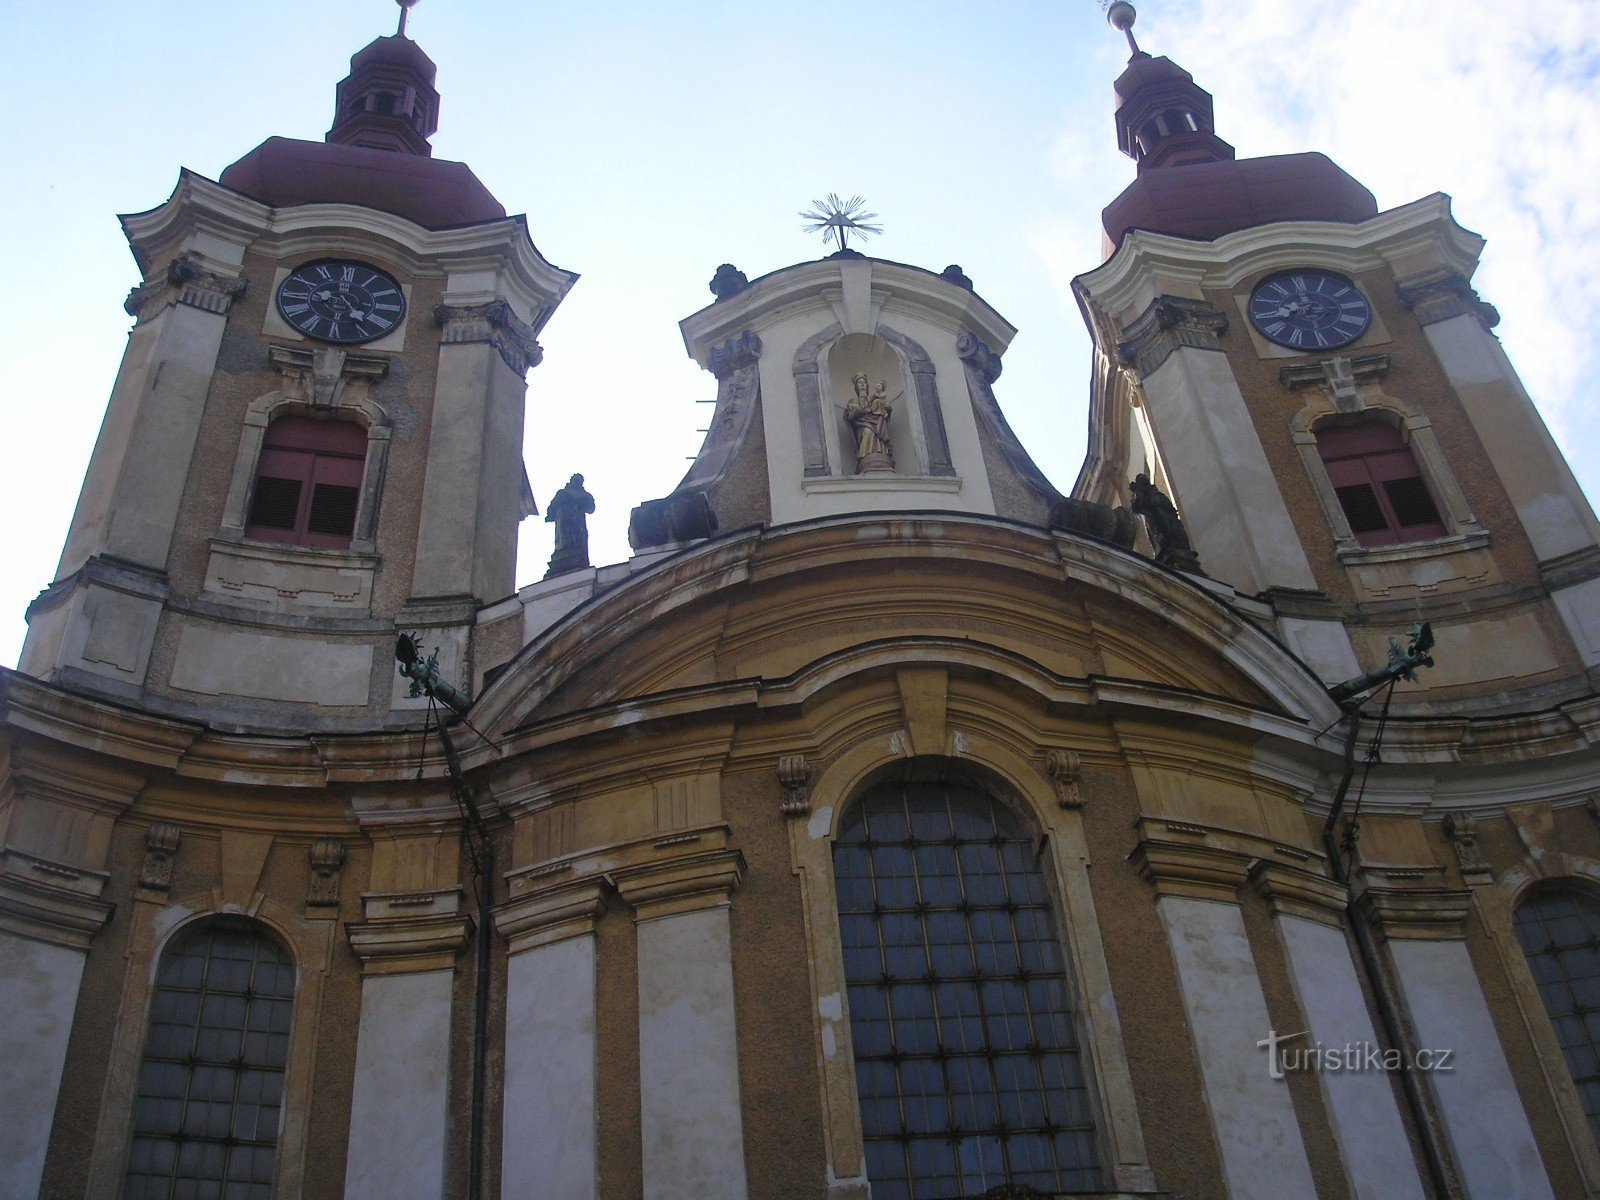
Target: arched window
(1378,483)
(967,1058)
(1560,933)
(205,1116)
(308,483)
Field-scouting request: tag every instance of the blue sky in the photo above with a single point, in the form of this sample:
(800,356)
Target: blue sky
(648,143)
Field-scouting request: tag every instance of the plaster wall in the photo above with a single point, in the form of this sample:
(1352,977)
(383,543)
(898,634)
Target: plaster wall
(1483,1113)
(447,540)
(1579,607)
(239,662)
(1361,1104)
(861,303)
(399,1113)
(550,1121)
(1548,500)
(1229,498)
(38,996)
(688,1063)
(1252,1114)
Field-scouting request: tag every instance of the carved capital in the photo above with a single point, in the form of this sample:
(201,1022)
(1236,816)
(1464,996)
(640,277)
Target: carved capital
(679,885)
(1297,892)
(492,324)
(1437,914)
(1169,323)
(736,352)
(160,844)
(186,281)
(1065,768)
(1462,830)
(327,857)
(410,931)
(319,377)
(1197,869)
(975,353)
(537,918)
(1440,295)
(794,773)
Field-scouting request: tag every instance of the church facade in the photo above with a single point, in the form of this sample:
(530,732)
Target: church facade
(891,824)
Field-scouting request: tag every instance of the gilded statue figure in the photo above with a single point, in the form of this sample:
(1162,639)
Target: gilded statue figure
(868,414)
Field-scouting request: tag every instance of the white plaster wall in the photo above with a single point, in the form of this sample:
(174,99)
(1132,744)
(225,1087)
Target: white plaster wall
(447,538)
(1478,1101)
(1541,485)
(38,994)
(550,1142)
(161,441)
(688,1062)
(860,300)
(1225,488)
(399,1110)
(1324,646)
(1579,607)
(1361,1105)
(1252,1115)
(242,662)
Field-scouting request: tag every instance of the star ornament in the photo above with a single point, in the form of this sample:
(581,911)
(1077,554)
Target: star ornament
(837,219)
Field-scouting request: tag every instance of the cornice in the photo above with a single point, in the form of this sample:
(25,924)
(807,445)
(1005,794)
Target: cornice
(502,246)
(1416,913)
(1411,239)
(775,298)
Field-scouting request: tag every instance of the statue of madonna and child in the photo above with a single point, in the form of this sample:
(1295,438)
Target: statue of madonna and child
(867,413)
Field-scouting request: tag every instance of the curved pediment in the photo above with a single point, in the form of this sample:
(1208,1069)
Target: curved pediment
(756,614)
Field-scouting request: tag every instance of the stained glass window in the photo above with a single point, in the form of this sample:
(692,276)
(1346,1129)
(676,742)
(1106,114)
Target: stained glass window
(205,1117)
(967,1058)
(1560,933)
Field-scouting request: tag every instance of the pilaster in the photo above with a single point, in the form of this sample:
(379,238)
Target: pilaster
(691,1119)
(550,1140)
(1209,447)
(475,492)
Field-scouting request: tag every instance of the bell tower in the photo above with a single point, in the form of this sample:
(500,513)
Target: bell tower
(1317,386)
(314,439)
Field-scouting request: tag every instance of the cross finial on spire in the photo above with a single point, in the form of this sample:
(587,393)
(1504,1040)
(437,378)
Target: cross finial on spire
(405,11)
(1122,15)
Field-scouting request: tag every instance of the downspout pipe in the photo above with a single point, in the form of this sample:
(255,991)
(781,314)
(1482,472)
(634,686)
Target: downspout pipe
(426,680)
(1433,1151)
(1402,664)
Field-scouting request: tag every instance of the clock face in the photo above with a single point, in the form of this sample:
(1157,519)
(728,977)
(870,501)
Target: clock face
(1309,310)
(339,301)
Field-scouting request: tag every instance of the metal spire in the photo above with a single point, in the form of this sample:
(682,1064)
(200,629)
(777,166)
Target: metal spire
(405,11)
(1121,14)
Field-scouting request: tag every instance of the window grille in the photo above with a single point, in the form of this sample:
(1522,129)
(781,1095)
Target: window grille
(1560,934)
(308,483)
(967,1059)
(205,1116)
(1379,485)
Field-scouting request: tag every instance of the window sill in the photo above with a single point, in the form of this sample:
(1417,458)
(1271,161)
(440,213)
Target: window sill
(281,577)
(881,482)
(1351,553)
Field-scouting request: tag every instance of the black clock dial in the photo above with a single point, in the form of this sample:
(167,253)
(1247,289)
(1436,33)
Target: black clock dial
(339,301)
(1309,310)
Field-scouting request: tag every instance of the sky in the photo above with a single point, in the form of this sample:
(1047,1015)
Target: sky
(648,143)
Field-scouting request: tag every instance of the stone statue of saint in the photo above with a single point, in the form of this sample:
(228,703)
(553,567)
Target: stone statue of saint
(569,511)
(1168,537)
(867,414)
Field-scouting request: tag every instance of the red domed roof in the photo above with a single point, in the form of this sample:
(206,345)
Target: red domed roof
(1205,200)
(432,192)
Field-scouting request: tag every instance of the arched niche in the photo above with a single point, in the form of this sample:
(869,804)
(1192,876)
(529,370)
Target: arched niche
(823,367)
(867,354)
